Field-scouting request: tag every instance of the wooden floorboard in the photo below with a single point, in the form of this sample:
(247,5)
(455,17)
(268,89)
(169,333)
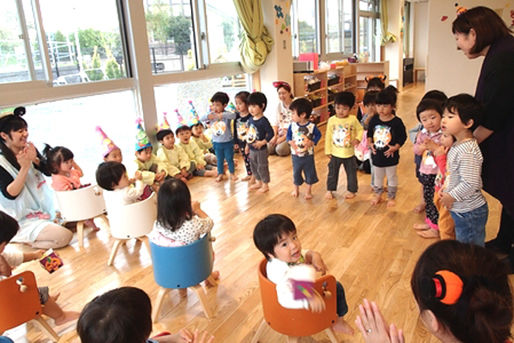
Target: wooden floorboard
(371,250)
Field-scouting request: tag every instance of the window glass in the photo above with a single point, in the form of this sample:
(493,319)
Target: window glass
(307,28)
(334,26)
(348,26)
(13,58)
(72,124)
(35,46)
(222,21)
(369,41)
(367,5)
(170,35)
(84,40)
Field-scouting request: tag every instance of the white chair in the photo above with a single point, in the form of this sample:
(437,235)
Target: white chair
(80,205)
(131,221)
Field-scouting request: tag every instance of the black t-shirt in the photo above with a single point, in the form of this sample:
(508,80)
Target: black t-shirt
(258,130)
(384,134)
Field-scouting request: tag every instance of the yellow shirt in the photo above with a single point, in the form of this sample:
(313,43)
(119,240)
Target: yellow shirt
(340,134)
(174,159)
(194,152)
(203,145)
(150,168)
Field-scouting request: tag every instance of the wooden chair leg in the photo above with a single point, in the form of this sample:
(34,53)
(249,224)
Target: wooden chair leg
(114,250)
(182,292)
(203,300)
(80,233)
(145,240)
(46,328)
(291,339)
(259,331)
(158,303)
(106,223)
(331,335)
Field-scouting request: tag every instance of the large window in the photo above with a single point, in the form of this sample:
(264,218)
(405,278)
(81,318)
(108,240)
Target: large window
(369,30)
(224,31)
(305,26)
(339,26)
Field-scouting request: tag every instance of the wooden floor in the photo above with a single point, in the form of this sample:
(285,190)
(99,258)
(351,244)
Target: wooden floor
(371,250)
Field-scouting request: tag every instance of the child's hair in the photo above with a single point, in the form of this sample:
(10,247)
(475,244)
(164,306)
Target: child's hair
(387,96)
(9,227)
(173,204)
(163,133)
(375,82)
(55,156)
(259,99)
(220,97)
(268,231)
(198,123)
(120,315)
(182,128)
(466,107)
(481,309)
(243,96)
(370,98)
(301,105)
(435,95)
(429,104)
(108,174)
(345,98)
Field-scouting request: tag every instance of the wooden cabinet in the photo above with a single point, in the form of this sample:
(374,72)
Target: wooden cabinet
(322,86)
(365,70)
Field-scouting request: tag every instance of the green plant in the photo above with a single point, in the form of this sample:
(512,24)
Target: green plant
(112,69)
(93,71)
(180,31)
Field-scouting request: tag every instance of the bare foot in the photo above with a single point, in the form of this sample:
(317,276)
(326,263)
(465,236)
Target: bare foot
(263,189)
(295,193)
(391,203)
(252,180)
(67,316)
(308,196)
(219,178)
(342,326)
(246,178)
(329,195)
(419,208)
(376,199)
(430,233)
(233,177)
(91,224)
(421,227)
(255,186)
(350,195)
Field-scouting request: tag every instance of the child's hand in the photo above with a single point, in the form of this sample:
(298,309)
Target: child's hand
(200,167)
(184,172)
(195,337)
(446,199)
(309,143)
(441,150)
(247,150)
(5,268)
(371,147)
(138,175)
(211,116)
(160,176)
(317,262)
(195,206)
(316,302)
(34,255)
(356,142)
(259,144)
(390,152)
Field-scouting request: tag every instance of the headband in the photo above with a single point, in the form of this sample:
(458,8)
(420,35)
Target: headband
(447,287)
(278,84)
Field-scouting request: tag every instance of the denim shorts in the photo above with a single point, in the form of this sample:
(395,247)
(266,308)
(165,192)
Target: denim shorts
(470,226)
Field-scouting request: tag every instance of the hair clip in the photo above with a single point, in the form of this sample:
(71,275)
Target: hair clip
(460,9)
(447,286)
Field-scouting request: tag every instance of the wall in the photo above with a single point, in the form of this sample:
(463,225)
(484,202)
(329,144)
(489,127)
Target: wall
(394,51)
(420,28)
(447,68)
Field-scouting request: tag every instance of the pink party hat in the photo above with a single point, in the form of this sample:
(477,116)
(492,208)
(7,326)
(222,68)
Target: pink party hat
(164,125)
(107,143)
(181,121)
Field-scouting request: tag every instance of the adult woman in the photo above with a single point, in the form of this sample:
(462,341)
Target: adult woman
(463,294)
(278,144)
(25,195)
(481,32)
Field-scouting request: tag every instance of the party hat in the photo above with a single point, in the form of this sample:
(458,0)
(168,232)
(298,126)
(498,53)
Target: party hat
(164,125)
(180,119)
(107,143)
(195,118)
(142,139)
(231,107)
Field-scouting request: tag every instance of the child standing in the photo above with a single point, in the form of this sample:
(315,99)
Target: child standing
(222,139)
(276,238)
(241,125)
(259,134)
(463,196)
(362,151)
(303,135)
(342,135)
(65,172)
(174,157)
(386,134)
(429,113)
(179,220)
(112,176)
(152,168)
(197,164)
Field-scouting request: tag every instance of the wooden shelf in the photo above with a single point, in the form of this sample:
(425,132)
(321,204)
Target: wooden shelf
(316,91)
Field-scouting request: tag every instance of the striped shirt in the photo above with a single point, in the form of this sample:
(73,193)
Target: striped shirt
(464,166)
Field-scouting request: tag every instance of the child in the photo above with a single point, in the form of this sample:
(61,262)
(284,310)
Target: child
(124,315)
(259,134)
(343,133)
(13,258)
(429,113)
(65,172)
(203,142)
(375,84)
(446,227)
(276,238)
(386,134)
(111,152)
(112,176)
(174,157)
(463,196)
(362,151)
(241,124)
(179,220)
(223,141)
(302,135)
(197,164)
(152,168)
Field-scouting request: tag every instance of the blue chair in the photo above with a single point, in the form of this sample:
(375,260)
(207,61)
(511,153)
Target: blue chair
(181,268)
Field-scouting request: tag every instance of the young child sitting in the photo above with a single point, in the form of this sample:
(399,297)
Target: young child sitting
(259,134)
(179,220)
(342,135)
(124,315)
(10,259)
(276,238)
(152,168)
(386,134)
(303,135)
(173,156)
(222,139)
(241,128)
(112,176)
(65,172)
(463,196)
(111,152)
(203,142)
(197,164)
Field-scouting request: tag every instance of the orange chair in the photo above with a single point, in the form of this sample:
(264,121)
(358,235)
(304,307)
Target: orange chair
(19,303)
(297,323)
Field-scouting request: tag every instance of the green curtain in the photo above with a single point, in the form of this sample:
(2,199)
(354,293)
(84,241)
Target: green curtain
(256,42)
(387,37)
